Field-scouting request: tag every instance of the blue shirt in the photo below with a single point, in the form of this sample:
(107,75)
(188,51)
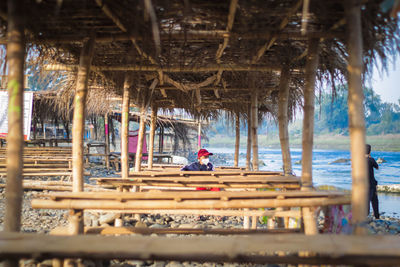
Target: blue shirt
(196,166)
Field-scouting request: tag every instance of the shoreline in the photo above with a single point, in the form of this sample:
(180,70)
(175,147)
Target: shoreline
(386,143)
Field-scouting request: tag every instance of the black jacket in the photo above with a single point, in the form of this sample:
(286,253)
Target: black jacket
(371,165)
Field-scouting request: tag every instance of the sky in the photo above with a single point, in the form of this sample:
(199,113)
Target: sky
(387,85)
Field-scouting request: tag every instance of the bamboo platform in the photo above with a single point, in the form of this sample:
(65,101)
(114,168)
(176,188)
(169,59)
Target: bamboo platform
(190,200)
(261,248)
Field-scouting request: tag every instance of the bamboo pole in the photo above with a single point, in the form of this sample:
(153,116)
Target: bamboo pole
(199,135)
(309,219)
(141,136)
(283,120)
(78,129)
(248,152)
(356,117)
(125,128)
(107,141)
(15,138)
(254,127)
(308,121)
(189,35)
(177,69)
(151,137)
(137,204)
(237,141)
(78,126)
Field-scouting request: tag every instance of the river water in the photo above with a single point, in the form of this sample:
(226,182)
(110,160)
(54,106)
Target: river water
(336,174)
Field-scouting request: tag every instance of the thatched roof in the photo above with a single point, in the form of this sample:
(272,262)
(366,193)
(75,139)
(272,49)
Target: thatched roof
(204,55)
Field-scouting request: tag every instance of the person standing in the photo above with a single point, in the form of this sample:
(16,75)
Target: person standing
(373,196)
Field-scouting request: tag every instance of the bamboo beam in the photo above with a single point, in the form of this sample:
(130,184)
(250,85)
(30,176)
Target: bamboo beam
(127,204)
(308,121)
(152,134)
(155,68)
(283,120)
(254,127)
(15,137)
(237,140)
(189,36)
(79,113)
(248,152)
(261,249)
(107,141)
(180,231)
(141,136)
(125,127)
(356,116)
(221,48)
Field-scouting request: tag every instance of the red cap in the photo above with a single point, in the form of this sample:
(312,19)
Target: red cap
(203,152)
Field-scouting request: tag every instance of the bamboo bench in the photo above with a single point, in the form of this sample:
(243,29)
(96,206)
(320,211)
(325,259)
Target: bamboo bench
(260,248)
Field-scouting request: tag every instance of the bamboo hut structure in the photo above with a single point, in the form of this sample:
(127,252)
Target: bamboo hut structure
(201,56)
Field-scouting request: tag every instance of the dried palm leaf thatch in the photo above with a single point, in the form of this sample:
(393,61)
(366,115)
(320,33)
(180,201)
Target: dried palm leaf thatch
(179,41)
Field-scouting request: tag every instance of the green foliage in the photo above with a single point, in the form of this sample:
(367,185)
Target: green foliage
(332,114)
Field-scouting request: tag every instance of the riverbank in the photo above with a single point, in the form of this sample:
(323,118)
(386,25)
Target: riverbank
(388,142)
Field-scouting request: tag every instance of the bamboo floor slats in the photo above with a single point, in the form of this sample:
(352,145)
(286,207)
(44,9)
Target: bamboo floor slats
(203,173)
(262,248)
(270,181)
(190,200)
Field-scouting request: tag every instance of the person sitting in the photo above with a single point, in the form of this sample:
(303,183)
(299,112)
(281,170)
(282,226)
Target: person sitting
(203,164)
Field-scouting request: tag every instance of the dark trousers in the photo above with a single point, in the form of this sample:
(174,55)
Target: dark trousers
(373,198)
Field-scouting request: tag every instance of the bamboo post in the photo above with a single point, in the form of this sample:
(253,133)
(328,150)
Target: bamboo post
(308,121)
(283,120)
(248,152)
(141,136)
(107,141)
(78,126)
(152,134)
(199,135)
(15,137)
(78,129)
(309,219)
(360,185)
(237,141)
(254,127)
(125,128)
(161,140)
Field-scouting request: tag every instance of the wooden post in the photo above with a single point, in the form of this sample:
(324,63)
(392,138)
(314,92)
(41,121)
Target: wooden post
(309,219)
(125,128)
(308,121)
(360,185)
(107,141)
(237,141)
(248,152)
(254,127)
(78,126)
(283,120)
(15,137)
(142,133)
(152,134)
